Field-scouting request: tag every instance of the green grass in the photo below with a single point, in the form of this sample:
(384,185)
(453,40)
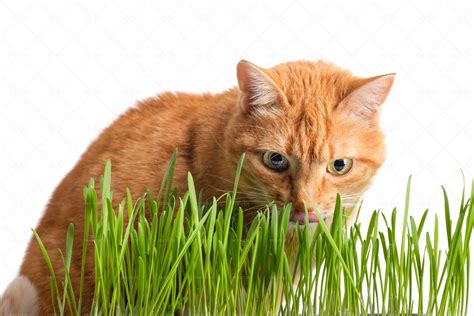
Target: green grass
(162,254)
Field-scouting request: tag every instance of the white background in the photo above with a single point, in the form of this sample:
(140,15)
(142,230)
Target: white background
(68,68)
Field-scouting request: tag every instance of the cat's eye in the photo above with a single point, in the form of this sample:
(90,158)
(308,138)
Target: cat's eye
(339,166)
(275,161)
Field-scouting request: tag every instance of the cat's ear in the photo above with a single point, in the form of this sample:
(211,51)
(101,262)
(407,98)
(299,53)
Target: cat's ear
(258,92)
(366,99)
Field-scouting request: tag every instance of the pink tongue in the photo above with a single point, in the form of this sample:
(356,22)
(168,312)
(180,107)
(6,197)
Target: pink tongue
(300,217)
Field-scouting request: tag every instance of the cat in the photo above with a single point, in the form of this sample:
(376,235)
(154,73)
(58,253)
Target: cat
(304,127)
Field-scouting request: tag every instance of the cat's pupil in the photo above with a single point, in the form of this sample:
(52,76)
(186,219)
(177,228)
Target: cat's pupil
(339,164)
(276,159)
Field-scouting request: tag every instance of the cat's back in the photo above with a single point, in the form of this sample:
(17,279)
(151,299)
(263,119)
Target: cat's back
(141,141)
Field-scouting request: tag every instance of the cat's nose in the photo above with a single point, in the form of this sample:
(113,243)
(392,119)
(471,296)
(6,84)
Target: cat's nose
(300,206)
(302,209)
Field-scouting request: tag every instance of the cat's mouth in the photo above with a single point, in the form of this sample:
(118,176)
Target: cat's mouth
(300,217)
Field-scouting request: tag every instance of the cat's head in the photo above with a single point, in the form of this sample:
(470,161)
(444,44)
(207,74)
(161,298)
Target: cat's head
(307,128)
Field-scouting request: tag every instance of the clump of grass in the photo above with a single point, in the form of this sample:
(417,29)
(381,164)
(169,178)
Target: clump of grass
(166,254)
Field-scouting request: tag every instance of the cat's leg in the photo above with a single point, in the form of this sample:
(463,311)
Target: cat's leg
(20,298)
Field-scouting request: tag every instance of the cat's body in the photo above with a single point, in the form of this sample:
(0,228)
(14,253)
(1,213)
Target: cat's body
(292,121)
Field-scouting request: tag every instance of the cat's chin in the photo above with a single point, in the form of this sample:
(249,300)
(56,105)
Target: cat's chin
(312,227)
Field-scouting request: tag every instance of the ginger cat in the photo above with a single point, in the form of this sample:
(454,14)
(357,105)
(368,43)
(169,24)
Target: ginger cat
(304,127)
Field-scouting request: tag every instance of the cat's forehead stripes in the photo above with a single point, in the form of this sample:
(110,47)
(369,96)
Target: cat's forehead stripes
(307,137)
(312,91)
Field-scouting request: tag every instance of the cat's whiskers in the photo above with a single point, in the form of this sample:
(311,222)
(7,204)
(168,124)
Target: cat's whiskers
(350,200)
(352,195)
(353,198)
(252,197)
(221,178)
(248,186)
(256,197)
(253,179)
(255,207)
(241,184)
(243,192)
(251,212)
